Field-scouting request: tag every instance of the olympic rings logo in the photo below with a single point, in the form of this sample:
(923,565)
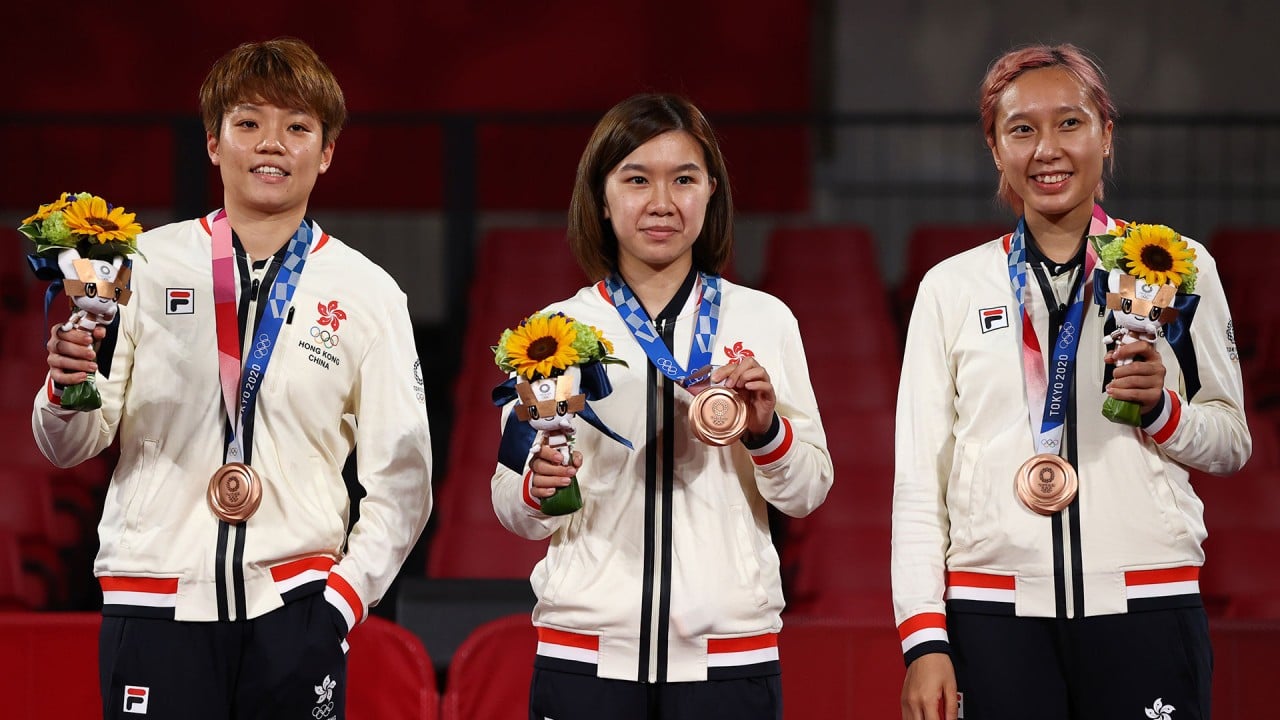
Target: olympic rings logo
(1068,333)
(262,346)
(326,338)
(322,711)
(667,365)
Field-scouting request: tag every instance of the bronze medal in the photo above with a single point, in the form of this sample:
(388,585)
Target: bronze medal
(235,491)
(718,416)
(1046,483)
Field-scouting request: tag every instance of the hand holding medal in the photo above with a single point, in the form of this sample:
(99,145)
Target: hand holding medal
(730,401)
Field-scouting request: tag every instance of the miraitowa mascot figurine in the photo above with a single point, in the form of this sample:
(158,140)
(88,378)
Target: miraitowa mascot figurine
(81,244)
(549,405)
(557,368)
(1146,277)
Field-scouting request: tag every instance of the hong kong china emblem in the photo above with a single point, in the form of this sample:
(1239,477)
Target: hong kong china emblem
(322,341)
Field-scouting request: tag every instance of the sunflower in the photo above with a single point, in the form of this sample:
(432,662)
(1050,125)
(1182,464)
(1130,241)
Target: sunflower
(1158,255)
(48,209)
(90,216)
(542,344)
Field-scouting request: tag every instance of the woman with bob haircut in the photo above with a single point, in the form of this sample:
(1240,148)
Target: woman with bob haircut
(661,596)
(229,575)
(1046,537)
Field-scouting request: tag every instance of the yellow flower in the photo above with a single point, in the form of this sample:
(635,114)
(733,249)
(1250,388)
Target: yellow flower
(89,216)
(1158,254)
(541,344)
(46,210)
(608,346)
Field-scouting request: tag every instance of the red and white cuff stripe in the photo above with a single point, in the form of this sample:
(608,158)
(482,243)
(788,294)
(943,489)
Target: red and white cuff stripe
(1163,427)
(527,492)
(339,593)
(55,393)
(919,629)
(777,447)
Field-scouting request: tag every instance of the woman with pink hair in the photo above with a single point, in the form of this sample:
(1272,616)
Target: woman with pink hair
(1045,559)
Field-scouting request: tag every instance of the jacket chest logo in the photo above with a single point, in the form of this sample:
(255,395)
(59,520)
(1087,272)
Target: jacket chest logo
(737,353)
(322,345)
(993,318)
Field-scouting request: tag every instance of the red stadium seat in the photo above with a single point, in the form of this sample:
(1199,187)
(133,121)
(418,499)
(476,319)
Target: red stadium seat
(929,245)
(491,672)
(389,674)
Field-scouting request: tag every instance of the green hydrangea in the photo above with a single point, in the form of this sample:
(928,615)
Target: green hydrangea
(586,342)
(55,231)
(1110,250)
(500,356)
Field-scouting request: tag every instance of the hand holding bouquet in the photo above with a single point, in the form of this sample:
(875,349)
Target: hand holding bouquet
(81,243)
(547,353)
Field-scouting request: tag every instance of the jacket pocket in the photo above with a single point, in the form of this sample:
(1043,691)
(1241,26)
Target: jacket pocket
(144,486)
(748,556)
(967,498)
(563,559)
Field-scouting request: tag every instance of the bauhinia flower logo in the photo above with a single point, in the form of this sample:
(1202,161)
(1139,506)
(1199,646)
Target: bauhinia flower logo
(324,690)
(545,344)
(1159,711)
(737,353)
(330,314)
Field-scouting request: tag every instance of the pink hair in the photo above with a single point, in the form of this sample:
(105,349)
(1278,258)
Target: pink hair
(1012,64)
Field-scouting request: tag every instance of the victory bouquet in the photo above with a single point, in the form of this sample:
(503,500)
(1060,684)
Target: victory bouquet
(81,246)
(1146,277)
(550,354)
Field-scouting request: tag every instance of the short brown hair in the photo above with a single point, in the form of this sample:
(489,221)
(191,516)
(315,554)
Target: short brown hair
(628,125)
(285,72)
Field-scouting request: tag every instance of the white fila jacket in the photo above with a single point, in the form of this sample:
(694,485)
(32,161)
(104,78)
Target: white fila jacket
(344,374)
(668,573)
(962,541)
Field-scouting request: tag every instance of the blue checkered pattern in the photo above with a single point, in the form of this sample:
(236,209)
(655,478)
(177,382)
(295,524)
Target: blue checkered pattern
(1018,261)
(641,327)
(290,271)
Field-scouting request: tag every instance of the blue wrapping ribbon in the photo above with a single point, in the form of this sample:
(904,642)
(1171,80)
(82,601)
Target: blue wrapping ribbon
(47,269)
(518,436)
(1176,331)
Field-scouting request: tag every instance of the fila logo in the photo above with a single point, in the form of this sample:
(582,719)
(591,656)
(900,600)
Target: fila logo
(135,699)
(179,301)
(993,318)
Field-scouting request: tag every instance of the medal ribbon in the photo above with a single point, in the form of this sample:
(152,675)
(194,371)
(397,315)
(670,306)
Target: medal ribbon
(642,328)
(246,385)
(1048,393)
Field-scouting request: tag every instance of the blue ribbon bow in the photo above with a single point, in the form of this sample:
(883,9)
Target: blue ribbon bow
(518,436)
(1176,331)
